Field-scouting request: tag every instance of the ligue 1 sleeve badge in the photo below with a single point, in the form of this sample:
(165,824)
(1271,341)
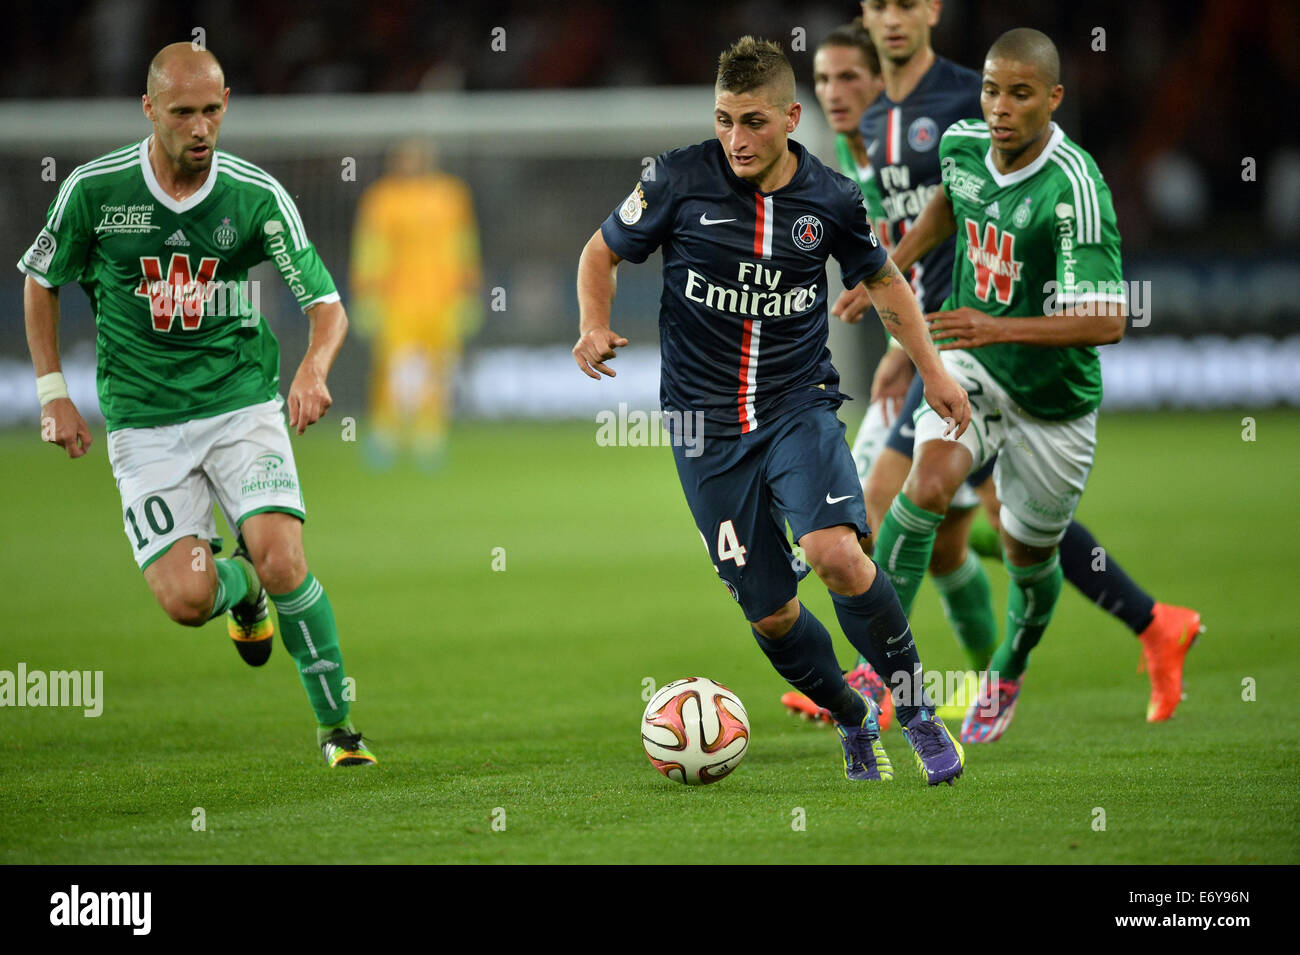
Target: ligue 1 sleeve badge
(807,232)
(630,211)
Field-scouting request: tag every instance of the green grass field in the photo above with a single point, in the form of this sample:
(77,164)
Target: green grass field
(515,695)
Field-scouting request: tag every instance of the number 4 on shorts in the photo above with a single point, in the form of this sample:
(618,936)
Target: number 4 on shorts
(729,547)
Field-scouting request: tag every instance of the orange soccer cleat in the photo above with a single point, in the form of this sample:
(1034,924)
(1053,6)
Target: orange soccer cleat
(1165,643)
(863,679)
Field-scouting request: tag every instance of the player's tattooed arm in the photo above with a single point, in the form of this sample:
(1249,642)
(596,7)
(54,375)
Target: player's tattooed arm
(883,279)
(890,319)
(857,301)
(901,315)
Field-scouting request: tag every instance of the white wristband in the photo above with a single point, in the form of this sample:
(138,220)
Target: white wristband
(50,387)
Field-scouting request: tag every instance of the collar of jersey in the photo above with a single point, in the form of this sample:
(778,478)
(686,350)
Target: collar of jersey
(189,202)
(746,189)
(926,77)
(1020,175)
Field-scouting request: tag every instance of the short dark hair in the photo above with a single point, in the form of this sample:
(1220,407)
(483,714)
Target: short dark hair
(1026,45)
(750,64)
(854,34)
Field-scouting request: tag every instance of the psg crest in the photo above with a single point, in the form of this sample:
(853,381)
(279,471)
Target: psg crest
(922,134)
(807,232)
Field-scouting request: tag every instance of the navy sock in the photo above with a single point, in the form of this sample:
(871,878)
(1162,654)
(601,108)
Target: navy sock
(875,624)
(1101,579)
(805,657)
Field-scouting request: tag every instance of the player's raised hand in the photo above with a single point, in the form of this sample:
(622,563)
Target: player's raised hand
(852,304)
(62,424)
(892,378)
(594,349)
(309,398)
(951,402)
(966,327)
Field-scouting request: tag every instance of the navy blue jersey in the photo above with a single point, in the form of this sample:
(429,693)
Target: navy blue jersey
(903,145)
(742,319)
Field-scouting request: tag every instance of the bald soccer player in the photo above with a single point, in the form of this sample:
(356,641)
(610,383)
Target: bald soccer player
(161,234)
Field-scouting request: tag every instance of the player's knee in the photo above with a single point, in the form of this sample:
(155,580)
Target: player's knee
(281,568)
(190,606)
(929,489)
(776,625)
(840,564)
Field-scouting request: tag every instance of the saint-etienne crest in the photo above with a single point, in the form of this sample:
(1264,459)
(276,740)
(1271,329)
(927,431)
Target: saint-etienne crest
(1021,218)
(630,211)
(225,235)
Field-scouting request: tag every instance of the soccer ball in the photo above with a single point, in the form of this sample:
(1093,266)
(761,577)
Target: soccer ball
(695,731)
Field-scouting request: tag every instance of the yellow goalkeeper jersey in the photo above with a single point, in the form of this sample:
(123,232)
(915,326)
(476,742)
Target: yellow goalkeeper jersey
(415,254)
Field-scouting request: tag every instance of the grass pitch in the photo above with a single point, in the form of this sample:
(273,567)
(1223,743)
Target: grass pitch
(504,703)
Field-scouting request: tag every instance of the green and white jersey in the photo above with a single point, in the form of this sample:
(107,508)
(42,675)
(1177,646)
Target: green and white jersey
(865,177)
(1036,241)
(178,335)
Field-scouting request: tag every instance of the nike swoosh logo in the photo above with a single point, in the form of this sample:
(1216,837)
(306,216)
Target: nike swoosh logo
(897,638)
(836,500)
(907,431)
(705,220)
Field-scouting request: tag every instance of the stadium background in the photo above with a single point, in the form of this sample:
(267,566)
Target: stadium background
(550,131)
(520,690)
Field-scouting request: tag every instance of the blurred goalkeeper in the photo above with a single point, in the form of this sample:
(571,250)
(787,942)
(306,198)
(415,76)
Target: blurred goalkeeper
(415,281)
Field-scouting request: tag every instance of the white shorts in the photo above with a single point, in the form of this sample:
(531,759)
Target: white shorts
(170,476)
(873,438)
(1042,465)
(870,440)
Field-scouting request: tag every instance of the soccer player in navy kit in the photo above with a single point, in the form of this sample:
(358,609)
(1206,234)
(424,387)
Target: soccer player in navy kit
(746,223)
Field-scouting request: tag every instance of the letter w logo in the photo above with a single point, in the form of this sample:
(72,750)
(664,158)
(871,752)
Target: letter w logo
(179,291)
(994,261)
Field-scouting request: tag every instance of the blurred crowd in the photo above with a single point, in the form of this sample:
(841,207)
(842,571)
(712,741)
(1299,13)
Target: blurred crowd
(1173,98)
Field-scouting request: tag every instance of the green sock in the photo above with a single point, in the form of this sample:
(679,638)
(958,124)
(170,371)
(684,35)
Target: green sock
(233,585)
(903,547)
(968,605)
(1030,603)
(308,632)
(984,539)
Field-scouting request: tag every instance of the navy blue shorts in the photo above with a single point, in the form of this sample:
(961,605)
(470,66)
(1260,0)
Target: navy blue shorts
(742,490)
(902,435)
